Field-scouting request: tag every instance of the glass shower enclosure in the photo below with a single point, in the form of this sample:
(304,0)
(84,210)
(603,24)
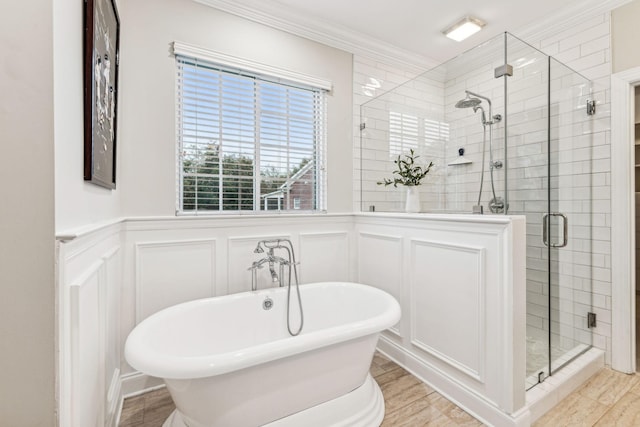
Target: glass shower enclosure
(509,131)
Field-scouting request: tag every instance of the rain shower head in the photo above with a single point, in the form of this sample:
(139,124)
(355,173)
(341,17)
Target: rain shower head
(468,102)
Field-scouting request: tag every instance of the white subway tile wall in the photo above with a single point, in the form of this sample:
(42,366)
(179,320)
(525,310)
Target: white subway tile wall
(580,177)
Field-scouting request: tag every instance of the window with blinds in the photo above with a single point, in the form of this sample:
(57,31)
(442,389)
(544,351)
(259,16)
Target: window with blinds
(247,142)
(403,133)
(410,132)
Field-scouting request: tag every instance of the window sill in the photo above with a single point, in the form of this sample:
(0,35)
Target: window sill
(242,214)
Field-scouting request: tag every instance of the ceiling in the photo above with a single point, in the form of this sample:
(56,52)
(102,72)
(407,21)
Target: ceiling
(409,28)
(416,25)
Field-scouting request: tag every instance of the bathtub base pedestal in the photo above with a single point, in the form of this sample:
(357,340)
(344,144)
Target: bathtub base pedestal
(363,407)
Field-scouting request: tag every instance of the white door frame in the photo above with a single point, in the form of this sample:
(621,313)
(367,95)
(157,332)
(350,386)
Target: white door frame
(623,328)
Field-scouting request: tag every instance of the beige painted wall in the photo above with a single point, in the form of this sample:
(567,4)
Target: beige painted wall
(625,36)
(27,246)
(147,109)
(78,203)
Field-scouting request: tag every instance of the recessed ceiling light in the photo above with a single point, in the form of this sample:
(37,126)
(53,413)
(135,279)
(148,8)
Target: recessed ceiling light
(463,29)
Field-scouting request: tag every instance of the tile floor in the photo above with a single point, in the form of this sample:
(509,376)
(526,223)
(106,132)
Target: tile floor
(609,398)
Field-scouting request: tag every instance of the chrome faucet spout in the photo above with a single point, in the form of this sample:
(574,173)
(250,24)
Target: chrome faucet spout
(272,270)
(258,264)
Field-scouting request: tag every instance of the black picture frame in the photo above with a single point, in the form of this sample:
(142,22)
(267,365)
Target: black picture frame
(101,62)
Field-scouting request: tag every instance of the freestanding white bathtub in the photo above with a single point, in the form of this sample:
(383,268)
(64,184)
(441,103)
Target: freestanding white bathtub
(227,361)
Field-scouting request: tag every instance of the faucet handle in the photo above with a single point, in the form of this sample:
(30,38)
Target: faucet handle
(280,260)
(256,265)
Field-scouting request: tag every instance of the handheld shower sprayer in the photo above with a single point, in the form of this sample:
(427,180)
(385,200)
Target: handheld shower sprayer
(484,117)
(474,100)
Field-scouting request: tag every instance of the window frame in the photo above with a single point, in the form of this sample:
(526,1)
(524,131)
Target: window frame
(232,65)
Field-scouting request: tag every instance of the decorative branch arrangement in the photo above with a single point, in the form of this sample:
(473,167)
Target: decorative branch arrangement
(408,172)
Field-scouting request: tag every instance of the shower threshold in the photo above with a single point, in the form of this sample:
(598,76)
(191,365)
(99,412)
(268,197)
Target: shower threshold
(541,398)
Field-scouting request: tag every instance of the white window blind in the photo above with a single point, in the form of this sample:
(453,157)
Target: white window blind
(247,142)
(410,132)
(436,137)
(403,133)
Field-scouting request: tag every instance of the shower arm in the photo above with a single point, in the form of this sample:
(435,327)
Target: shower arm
(477,95)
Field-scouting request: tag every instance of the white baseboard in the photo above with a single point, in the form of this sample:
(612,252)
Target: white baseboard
(137,383)
(457,393)
(114,400)
(539,400)
(130,385)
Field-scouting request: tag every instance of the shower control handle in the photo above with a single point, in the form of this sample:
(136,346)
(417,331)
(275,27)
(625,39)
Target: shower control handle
(545,230)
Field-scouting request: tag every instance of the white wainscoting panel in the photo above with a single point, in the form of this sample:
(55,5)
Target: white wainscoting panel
(459,279)
(324,257)
(380,264)
(448,303)
(111,276)
(171,272)
(89,281)
(112,351)
(88,392)
(461,286)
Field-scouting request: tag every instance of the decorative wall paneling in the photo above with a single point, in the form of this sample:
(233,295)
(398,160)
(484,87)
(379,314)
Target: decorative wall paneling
(380,264)
(448,293)
(89,280)
(188,258)
(324,256)
(440,268)
(114,275)
(171,272)
(460,280)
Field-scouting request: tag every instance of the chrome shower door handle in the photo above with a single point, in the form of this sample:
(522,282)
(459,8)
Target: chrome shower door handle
(565,230)
(545,230)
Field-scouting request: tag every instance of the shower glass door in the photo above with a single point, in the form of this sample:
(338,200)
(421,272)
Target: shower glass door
(549,178)
(528,188)
(570,214)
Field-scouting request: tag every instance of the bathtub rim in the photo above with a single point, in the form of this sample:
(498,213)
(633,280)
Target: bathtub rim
(181,368)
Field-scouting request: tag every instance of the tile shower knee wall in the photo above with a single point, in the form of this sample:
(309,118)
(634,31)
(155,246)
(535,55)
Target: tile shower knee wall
(585,47)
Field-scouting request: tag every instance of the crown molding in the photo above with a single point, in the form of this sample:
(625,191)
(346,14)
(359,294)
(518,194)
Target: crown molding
(567,17)
(264,12)
(267,13)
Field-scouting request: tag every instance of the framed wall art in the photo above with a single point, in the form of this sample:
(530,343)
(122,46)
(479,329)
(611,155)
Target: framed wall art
(101,50)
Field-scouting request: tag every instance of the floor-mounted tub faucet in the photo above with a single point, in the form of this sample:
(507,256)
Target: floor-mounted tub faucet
(290,263)
(272,260)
